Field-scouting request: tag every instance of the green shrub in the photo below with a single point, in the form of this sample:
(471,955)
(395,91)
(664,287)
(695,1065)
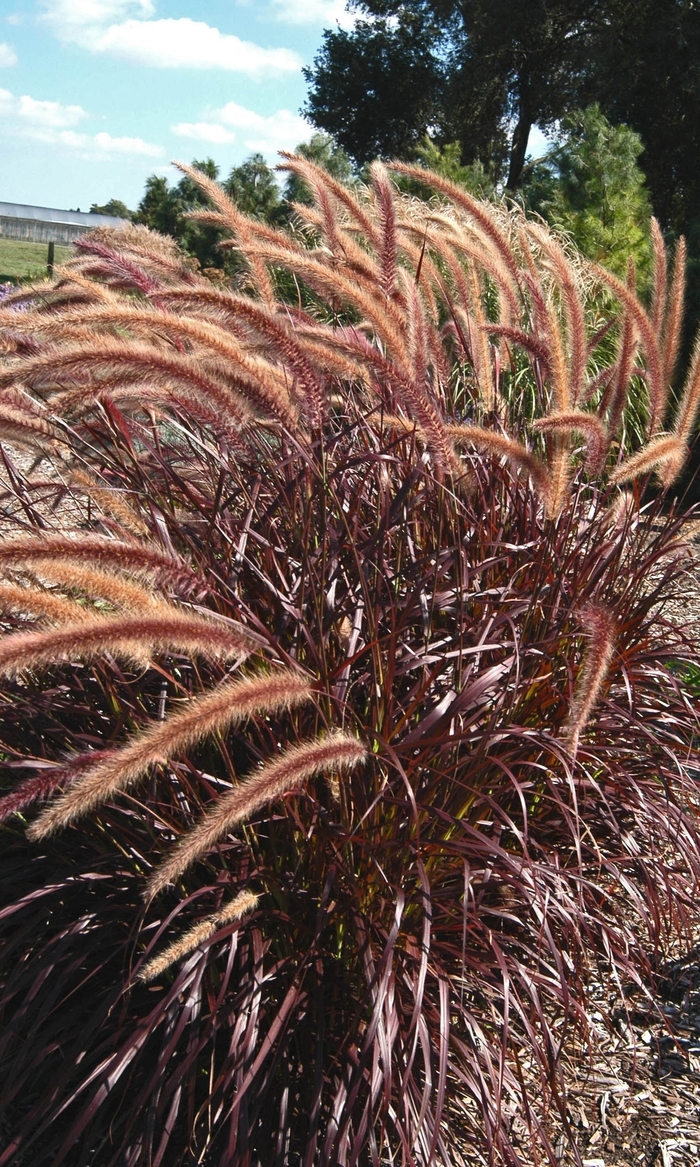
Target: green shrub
(590,185)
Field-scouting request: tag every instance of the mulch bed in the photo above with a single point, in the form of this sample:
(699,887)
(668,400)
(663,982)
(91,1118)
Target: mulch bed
(640,1102)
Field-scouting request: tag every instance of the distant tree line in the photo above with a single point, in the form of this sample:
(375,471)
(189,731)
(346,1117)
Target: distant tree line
(589,185)
(253,187)
(466,80)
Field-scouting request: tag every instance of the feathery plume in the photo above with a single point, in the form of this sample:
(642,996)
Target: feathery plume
(560,474)
(417,331)
(164,628)
(575,421)
(117,590)
(413,244)
(215,712)
(502,446)
(654,364)
(276,330)
(35,602)
(479,341)
(414,398)
(482,216)
(384,199)
(690,399)
(534,346)
(622,511)
(558,370)
(382,314)
(111,502)
(252,376)
(239,906)
(141,556)
(103,256)
(615,399)
(667,450)
(573,307)
(118,361)
(674,315)
(316,177)
(238,223)
(190,406)
(659,278)
(337,753)
(25,429)
(599,624)
(44,784)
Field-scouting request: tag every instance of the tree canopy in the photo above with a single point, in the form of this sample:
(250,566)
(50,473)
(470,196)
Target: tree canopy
(481,72)
(251,185)
(648,76)
(112,207)
(590,185)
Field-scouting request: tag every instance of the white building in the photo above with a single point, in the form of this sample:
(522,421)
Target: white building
(47,225)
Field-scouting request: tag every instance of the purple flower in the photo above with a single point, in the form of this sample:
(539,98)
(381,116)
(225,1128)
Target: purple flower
(7,290)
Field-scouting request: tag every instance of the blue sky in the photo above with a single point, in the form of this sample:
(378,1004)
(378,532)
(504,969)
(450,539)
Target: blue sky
(97,94)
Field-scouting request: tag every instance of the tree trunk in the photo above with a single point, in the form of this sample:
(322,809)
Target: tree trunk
(518,148)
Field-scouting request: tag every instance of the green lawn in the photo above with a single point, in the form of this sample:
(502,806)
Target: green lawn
(20,260)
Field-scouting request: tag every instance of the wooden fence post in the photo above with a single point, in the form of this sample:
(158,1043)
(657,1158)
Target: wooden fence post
(50,263)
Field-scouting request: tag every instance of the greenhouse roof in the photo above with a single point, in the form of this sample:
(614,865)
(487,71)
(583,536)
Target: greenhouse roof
(51,215)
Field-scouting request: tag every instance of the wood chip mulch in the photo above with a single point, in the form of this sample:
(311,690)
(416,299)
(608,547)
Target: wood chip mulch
(640,1102)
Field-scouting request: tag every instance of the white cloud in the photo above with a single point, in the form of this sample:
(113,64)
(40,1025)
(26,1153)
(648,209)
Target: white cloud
(190,44)
(26,110)
(116,27)
(106,144)
(205,132)
(320,12)
(52,122)
(67,15)
(282,130)
(8,56)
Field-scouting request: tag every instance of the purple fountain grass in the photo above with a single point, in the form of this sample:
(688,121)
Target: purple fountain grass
(112,503)
(599,625)
(26,600)
(73,575)
(690,400)
(319,179)
(574,309)
(654,365)
(227,705)
(45,784)
(476,210)
(138,556)
(659,277)
(115,361)
(240,906)
(133,636)
(335,754)
(673,321)
(410,514)
(665,450)
(241,226)
(25,428)
(252,376)
(576,421)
